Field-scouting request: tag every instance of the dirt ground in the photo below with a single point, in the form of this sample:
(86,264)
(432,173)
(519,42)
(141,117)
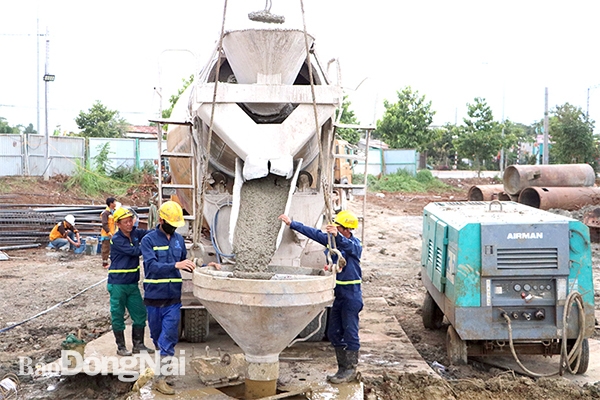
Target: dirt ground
(34,280)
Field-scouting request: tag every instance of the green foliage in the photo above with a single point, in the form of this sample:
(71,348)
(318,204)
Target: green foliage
(480,137)
(352,136)
(102,160)
(441,151)
(572,136)
(403,181)
(174,98)
(99,121)
(6,128)
(29,129)
(87,180)
(405,124)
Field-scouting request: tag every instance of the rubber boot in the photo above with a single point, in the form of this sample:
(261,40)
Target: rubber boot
(340,355)
(160,381)
(349,372)
(161,385)
(137,337)
(120,339)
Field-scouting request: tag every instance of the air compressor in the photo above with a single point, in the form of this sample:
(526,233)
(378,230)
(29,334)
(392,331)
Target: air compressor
(510,279)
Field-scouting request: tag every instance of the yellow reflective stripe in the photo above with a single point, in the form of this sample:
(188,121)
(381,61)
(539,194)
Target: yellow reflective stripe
(356,282)
(123,271)
(167,280)
(158,248)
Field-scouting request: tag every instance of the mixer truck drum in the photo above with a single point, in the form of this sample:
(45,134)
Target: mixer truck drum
(266,16)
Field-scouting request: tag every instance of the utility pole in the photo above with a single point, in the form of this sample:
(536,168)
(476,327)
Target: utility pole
(546,127)
(587,108)
(47,78)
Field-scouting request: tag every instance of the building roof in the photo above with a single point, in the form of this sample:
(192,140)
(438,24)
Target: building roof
(141,131)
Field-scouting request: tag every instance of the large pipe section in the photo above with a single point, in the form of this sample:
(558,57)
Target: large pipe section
(566,198)
(519,177)
(485,192)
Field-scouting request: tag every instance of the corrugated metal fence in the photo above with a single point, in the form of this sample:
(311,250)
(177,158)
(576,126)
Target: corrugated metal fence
(388,161)
(26,154)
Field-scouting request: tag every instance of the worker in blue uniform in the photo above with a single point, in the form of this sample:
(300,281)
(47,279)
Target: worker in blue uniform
(343,316)
(123,278)
(165,255)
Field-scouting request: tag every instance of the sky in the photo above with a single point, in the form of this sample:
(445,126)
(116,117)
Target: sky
(130,54)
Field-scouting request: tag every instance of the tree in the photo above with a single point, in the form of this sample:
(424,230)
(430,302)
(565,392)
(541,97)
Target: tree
(442,150)
(512,136)
(405,124)
(480,137)
(352,136)
(99,121)
(29,129)
(6,128)
(174,98)
(572,136)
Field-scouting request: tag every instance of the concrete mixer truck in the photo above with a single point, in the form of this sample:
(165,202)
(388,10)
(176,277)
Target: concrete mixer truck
(251,138)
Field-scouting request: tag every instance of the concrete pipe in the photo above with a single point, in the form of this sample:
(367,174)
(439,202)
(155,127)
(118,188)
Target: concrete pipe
(503,196)
(566,198)
(485,192)
(518,177)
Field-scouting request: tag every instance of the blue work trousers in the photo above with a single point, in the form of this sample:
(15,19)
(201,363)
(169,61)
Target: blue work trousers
(343,322)
(60,242)
(164,327)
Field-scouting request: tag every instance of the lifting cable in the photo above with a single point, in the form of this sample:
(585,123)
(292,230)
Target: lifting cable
(206,153)
(325,184)
(566,358)
(52,308)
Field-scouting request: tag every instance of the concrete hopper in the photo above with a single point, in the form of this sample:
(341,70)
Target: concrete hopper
(263,316)
(266,56)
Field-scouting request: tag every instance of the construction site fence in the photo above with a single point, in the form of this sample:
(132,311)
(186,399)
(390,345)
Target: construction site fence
(388,161)
(25,154)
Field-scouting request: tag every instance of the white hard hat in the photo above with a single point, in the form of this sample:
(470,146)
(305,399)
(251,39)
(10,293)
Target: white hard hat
(118,205)
(70,219)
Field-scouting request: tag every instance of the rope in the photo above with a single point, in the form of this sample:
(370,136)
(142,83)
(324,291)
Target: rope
(206,153)
(566,359)
(52,308)
(324,181)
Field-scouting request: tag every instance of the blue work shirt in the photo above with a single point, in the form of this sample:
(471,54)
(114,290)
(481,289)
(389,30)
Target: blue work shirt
(125,257)
(349,279)
(162,280)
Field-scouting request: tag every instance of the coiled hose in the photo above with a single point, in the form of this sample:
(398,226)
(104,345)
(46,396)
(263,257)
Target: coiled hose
(566,358)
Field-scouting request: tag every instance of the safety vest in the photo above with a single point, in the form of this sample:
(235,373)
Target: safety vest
(111,223)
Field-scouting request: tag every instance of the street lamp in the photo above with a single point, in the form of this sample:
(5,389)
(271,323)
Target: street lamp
(49,78)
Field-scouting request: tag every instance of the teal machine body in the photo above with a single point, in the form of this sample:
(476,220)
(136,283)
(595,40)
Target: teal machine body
(484,261)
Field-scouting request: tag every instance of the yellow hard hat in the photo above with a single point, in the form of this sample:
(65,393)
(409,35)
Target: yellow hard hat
(122,213)
(172,213)
(346,219)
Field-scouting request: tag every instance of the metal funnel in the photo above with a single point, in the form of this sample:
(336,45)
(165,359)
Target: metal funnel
(263,316)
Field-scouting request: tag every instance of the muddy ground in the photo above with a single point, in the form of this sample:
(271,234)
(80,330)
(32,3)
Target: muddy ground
(34,280)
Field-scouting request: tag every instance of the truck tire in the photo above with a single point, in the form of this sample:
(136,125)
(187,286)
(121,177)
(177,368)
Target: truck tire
(584,361)
(456,347)
(319,336)
(195,325)
(431,313)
